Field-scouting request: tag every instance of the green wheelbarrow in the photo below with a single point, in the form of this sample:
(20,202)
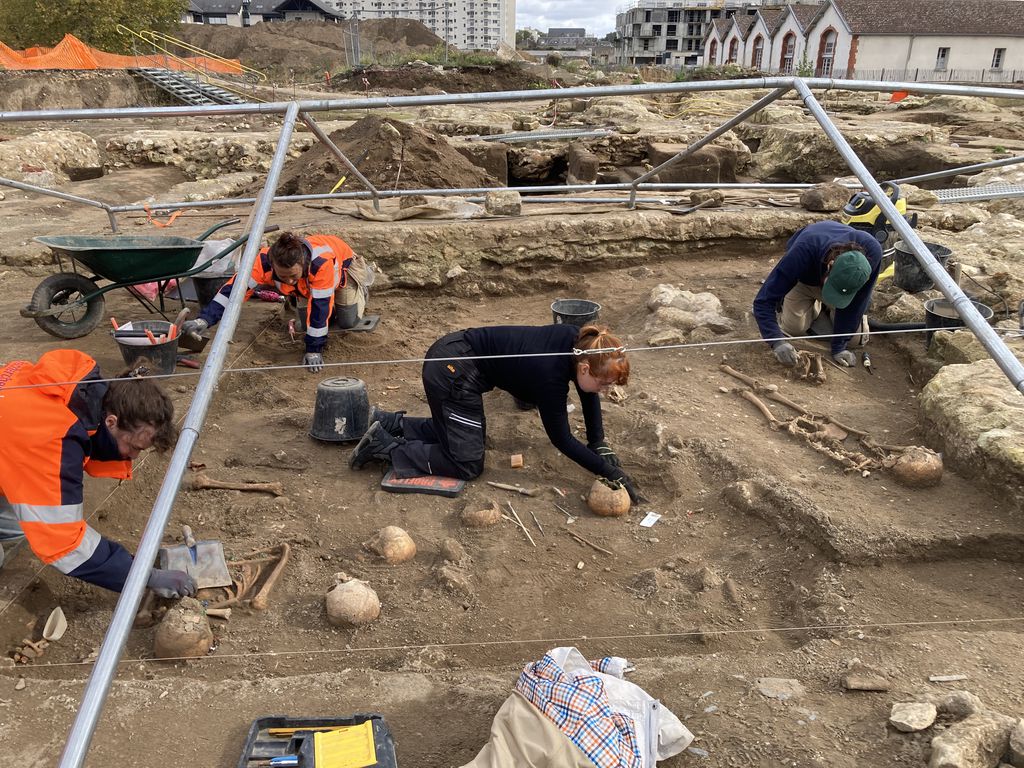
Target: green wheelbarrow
(69,305)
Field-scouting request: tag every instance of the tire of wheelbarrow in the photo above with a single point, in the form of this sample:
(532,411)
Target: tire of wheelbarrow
(64,288)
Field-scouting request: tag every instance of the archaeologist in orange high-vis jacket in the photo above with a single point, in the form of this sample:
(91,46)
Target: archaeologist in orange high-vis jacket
(59,420)
(322,269)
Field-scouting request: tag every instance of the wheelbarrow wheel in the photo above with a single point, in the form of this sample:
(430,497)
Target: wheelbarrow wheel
(67,288)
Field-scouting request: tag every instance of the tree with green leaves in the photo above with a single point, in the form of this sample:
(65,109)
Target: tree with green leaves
(24,23)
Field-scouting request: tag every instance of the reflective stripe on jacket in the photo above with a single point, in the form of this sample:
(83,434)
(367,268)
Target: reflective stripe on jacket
(52,435)
(330,259)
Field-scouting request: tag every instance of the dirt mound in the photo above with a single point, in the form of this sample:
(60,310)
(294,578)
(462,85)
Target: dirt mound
(391,154)
(310,46)
(507,76)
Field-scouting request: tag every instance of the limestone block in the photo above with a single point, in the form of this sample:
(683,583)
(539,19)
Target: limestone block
(956,347)
(909,717)
(907,308)
(492,156)
(978,417)
(918,198)
(825,197)
(959,704)
(1016,753)
(978,741)
(47,152)
(684,310)
(503,203)
(708,164)
(583,165)
(713,197)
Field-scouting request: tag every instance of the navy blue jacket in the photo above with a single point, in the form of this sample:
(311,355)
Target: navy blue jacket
(804,262)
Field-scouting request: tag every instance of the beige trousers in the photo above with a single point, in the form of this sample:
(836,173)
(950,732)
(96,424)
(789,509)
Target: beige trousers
(357,288)
(802,311)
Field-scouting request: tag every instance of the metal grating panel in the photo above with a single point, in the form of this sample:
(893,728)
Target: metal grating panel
(987,192)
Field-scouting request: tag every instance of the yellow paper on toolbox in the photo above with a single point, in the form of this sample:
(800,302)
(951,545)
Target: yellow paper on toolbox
(351,747)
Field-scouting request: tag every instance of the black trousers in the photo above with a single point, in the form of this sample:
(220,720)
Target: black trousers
(451,442)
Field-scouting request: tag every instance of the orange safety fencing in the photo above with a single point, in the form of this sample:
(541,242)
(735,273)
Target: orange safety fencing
(72,53)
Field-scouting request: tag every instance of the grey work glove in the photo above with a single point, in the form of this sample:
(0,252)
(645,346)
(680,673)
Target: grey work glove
(194,328)
(314,361)
(602,449)
(845,358)
(784,353)
(171,584)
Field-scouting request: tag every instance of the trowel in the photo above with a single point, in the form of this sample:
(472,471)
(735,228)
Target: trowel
(202,560)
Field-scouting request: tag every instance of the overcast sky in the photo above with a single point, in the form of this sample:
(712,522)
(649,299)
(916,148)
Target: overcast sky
(597,16)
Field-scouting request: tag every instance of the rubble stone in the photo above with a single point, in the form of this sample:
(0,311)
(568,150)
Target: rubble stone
(583,165)
(978,741)
(779,688)
(825,197)
(505,202)
(909,717)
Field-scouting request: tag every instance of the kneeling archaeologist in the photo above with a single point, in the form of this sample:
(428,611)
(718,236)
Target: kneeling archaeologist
(59,420)
(824,283)
(323,269)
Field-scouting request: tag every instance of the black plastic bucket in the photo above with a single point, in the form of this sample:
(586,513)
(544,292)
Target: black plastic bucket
(939,313)
(207,287)
(576,312)
(162,357)
(909,275)
(342,410)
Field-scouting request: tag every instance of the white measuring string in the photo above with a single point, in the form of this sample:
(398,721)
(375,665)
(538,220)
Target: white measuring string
(551,641)
(522,355)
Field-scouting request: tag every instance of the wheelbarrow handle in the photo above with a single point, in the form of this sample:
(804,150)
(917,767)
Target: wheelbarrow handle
(215,227)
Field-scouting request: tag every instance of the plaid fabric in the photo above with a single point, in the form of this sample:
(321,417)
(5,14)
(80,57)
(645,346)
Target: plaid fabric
(579,707)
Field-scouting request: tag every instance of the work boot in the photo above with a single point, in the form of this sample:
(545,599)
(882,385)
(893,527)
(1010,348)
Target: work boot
(390,420)
(377,444)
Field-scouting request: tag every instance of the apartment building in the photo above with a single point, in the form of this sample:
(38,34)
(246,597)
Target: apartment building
(467,24)
(672,32)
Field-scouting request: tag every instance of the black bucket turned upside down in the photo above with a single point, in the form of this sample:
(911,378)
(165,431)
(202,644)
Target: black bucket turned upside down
(909,274)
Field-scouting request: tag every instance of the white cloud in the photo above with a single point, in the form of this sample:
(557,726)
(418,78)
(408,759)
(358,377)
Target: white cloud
(597,16)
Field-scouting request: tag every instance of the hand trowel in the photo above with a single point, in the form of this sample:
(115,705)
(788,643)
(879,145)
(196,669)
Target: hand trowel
(202,560)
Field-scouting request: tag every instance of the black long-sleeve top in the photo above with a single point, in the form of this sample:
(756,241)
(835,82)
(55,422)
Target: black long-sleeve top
(544,382)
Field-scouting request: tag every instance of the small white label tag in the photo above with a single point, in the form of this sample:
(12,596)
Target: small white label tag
(650,520)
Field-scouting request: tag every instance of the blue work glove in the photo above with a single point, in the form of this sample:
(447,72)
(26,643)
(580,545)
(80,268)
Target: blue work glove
(784,353)
(602,449)
(846,358)
(314,361)
(194,328)
(171,584)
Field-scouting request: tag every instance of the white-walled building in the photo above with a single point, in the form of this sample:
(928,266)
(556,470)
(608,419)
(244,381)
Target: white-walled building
(966,40)
(466,24)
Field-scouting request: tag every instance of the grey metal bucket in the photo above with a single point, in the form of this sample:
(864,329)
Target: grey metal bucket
(342,410)
(576,312)
(939,314)
(908,273)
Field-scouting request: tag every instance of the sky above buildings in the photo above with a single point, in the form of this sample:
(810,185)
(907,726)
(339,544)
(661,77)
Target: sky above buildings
(597,16)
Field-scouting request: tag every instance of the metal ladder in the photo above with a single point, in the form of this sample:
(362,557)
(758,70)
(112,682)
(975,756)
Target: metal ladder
(186,89)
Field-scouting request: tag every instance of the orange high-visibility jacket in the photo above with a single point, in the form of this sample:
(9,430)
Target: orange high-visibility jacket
(330,259)
(51,436)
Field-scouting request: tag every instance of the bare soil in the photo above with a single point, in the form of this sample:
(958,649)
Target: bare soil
(390,154)
(818,569)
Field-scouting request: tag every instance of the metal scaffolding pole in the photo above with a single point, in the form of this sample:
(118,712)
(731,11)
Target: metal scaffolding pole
(127,605)
(1004,358)
(962,169)
(398,102)
(757,106)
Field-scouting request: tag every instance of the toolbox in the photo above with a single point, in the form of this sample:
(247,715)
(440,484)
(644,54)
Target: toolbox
(356,741)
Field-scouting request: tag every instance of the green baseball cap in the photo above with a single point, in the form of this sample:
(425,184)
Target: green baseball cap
(849,272)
